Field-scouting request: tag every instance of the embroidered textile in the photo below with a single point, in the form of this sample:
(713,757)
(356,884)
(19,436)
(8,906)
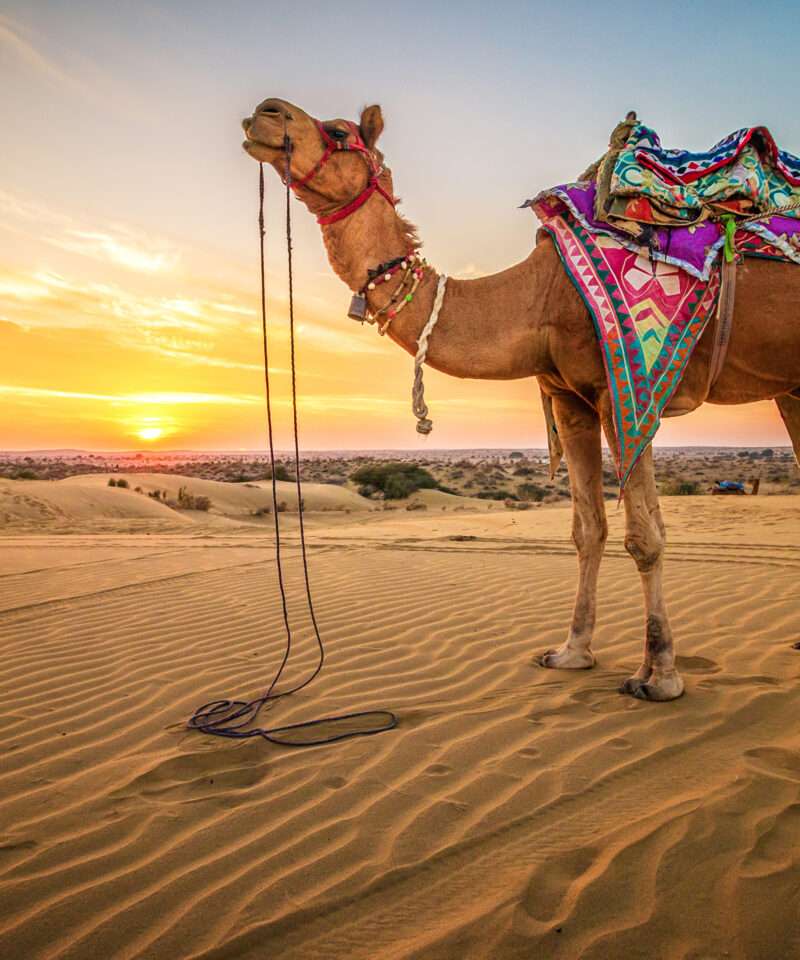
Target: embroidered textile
(745,175)
(648,317)
(694,248)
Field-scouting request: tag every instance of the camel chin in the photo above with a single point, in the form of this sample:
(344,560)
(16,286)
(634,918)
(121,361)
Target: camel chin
(262,152)
(567,658)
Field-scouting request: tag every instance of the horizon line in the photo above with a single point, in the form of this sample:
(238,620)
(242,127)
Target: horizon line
(420,450)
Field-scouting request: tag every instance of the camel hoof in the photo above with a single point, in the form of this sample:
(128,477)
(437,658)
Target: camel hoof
(667,688)
(631,685)
(566,659)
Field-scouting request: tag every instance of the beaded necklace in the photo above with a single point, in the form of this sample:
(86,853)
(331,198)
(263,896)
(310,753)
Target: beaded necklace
(413,269)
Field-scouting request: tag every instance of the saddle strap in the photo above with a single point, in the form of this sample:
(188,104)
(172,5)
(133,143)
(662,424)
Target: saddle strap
(722,333)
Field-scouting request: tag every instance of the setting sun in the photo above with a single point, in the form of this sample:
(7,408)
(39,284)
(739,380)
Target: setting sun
(150,433)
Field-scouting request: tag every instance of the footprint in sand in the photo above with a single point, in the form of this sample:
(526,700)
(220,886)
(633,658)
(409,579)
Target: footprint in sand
(9,844)
(335,783)
(196,776)
(602,701)
(733,681)
(438,769)
(697,665)
(773,850)
(620,743)
(550,883)
(531,753)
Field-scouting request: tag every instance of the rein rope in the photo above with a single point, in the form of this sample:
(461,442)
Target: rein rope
(227,718)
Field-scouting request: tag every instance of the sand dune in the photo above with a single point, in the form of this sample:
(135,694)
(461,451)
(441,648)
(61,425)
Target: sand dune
(234,499)
(35,504)
(514,813)
(79,498)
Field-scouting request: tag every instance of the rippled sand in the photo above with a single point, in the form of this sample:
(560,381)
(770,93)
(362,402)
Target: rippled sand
(514,813)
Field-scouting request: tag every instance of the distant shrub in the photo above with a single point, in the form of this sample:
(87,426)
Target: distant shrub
(395,486)
(394,480)
(496,495)
(124,484)
(281,473)
(532,491)
(112,482)
(190,501)
(680,488)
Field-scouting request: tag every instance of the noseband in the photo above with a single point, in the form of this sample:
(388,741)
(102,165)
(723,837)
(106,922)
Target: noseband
(333,146)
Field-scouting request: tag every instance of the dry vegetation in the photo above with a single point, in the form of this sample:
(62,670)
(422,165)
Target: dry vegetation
(520,476)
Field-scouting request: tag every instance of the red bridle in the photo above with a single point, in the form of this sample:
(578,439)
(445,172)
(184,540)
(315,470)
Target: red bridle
(375,170)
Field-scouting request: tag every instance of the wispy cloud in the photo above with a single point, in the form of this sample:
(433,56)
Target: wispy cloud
(191,329)
(48,299)
(138,399)
(23,49)
(115,243)
(115,249)
(340,341)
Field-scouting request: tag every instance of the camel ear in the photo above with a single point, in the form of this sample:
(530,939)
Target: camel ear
(371,125)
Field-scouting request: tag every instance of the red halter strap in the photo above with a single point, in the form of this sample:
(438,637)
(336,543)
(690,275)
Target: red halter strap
(375,170)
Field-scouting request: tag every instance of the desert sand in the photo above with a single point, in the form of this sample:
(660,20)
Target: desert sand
(515,812)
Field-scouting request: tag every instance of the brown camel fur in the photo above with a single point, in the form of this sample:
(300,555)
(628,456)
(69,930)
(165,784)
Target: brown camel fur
(530,321)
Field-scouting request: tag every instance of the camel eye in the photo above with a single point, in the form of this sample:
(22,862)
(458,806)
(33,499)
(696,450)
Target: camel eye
(336,133)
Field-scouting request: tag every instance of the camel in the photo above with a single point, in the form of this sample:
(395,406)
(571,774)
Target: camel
(529,321)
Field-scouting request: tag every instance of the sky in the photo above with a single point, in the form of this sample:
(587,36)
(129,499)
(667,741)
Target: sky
(128,240)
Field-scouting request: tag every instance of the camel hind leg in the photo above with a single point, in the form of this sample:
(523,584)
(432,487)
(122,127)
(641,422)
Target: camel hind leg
(789,406)
(657,678)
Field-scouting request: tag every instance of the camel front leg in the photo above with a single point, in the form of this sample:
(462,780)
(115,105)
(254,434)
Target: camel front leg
(579,432)
(657,678)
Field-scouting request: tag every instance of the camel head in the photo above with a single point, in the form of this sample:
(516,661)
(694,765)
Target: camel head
(333,162)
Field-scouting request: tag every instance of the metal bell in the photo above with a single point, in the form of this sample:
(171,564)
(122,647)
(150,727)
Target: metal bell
(358,308)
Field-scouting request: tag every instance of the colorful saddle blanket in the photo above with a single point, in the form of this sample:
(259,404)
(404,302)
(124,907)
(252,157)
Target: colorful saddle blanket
(744,175)
(648,311)
(648,318)
(641,237)
(694,248)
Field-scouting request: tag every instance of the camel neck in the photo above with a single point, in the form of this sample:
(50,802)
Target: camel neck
(482,332)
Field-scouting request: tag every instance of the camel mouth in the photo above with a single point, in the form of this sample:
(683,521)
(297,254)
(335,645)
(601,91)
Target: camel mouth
(260,149)
(258,144)
(255,142)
